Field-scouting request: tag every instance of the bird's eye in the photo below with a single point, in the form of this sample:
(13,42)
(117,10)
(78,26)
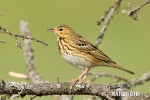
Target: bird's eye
(60,29)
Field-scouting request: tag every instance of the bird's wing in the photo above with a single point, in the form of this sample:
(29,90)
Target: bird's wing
(85,46)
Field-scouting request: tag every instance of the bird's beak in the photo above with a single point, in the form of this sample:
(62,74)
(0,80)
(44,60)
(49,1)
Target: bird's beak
(51,30)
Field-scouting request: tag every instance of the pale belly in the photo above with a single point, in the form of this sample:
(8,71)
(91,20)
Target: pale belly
(77,61)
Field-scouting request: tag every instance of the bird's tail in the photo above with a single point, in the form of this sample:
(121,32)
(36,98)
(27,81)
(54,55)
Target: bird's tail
(121,68)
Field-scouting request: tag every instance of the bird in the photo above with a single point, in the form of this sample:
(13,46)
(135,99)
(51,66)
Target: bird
(79,52)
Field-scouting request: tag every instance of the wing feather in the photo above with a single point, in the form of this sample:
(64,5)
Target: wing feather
(85,46)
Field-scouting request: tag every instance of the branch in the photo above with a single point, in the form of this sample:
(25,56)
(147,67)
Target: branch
(33,76)
(133,11)
(107,17)
(42,89)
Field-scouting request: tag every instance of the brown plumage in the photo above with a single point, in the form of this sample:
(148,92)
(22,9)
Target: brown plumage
(79,52)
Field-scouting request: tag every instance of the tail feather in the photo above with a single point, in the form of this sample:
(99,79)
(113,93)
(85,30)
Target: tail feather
(121,68)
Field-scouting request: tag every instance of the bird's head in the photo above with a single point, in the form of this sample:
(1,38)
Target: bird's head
(62,31)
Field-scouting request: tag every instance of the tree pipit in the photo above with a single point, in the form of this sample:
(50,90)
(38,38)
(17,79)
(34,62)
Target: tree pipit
(79,52)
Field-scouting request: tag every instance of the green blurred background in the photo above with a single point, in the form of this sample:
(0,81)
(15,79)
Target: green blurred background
(126,41)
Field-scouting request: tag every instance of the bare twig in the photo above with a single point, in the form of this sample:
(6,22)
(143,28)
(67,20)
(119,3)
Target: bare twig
(18,75)
(2,41)
(3,30)
(57,80)
(108,15)
(141,80)
(18,44)
(114,76)
(133,11)
(33,76)
(128,83)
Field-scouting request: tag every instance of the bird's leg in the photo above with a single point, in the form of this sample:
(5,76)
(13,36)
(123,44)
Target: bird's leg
(82,75)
